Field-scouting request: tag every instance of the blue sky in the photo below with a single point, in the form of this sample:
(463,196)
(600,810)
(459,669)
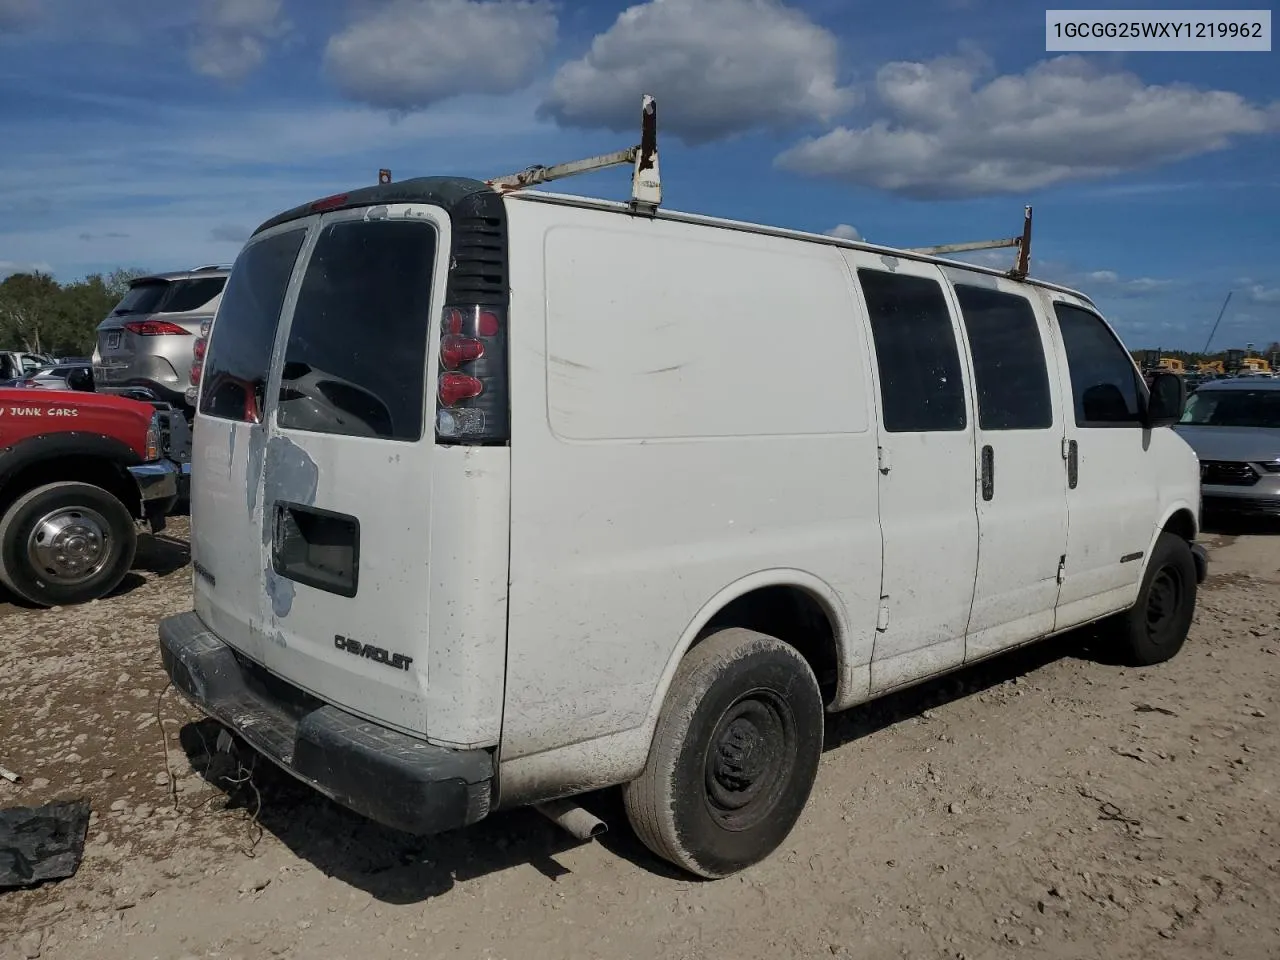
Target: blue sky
(157,134)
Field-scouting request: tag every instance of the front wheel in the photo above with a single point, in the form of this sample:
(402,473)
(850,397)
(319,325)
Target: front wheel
(1156,627)
(734,755)
(65,543)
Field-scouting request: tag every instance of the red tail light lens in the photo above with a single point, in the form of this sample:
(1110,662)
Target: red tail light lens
(459,386)
(198,351)
(329,203)
(455,351)
(473,403)
(155,328)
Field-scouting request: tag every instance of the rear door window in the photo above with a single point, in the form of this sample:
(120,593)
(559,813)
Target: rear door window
(234,380)
(921,387)
(187,295)
(355,363)
(1009,367)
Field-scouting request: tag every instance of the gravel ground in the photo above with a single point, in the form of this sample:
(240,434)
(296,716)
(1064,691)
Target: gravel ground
(1046,804)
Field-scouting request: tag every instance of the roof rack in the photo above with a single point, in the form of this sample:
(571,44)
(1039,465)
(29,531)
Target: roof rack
(1022,243)
(646,182)
(210,266)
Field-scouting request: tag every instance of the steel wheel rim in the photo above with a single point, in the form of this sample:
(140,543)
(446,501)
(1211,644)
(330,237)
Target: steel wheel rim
(1164,601)
(70,545)
(749,760)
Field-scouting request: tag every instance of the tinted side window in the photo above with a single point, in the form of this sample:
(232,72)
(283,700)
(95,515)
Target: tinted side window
(920,383)
(233,384)
(356,359)
(192,294)
(1009,369)
(1104,383)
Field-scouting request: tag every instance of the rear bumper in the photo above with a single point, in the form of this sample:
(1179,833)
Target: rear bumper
(387,776)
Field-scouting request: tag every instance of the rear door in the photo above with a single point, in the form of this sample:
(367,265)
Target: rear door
(1022,506)
(229,440)
(346,468)
(926,482)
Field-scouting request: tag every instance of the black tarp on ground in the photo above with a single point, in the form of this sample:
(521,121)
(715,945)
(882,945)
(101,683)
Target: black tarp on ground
(41,843)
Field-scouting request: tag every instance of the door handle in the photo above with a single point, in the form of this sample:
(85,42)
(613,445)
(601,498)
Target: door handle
(988,472)
(1073,464)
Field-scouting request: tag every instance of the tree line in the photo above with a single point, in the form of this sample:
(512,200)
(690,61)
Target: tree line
(40,315)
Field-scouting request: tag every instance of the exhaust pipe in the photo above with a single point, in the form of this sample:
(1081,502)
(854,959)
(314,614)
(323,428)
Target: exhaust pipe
(573,819)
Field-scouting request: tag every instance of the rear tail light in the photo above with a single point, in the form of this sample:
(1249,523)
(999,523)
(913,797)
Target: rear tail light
(155,328)
(198,350)
(472,393)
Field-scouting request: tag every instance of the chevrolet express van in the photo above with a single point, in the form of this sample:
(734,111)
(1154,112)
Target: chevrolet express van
(499,497)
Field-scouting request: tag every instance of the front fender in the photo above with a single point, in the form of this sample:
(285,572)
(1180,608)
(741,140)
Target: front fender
(29,451)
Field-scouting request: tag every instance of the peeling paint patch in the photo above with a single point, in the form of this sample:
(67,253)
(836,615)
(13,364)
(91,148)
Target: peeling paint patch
(890,263)
(289,474)
(379,212)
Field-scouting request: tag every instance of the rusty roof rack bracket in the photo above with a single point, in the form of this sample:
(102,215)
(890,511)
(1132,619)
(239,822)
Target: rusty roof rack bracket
(646,182)
(1022,243)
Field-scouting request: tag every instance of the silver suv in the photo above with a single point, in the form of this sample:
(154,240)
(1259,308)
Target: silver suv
(146,344)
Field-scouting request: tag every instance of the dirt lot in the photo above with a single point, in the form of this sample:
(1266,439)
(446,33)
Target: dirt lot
(1047,804)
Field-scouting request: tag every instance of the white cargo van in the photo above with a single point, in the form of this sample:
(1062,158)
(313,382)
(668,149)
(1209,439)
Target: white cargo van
(499,497)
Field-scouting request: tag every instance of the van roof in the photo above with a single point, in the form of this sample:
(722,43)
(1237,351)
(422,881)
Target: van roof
(453,193)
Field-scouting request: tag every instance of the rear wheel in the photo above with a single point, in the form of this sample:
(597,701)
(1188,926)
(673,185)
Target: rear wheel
(1156,627)
(65,543)
(734,756)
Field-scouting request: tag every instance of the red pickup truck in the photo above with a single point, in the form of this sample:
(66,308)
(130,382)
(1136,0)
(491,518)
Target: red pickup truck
(80,473)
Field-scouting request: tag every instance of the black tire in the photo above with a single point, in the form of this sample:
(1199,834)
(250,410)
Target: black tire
(734,755)
(1156,627)
(95,529)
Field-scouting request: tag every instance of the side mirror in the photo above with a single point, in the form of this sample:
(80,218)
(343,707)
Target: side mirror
(1167,401)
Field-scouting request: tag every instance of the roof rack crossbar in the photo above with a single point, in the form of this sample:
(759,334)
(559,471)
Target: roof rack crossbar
(1023,244)
(646,181)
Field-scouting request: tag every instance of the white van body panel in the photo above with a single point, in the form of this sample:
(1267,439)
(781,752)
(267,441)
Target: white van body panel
(1115,506)
(432,571)
(926,483)
(1022,529)
(692,408)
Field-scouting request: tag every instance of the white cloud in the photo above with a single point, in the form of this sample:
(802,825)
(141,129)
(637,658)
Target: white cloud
(944,132)
(716,67)
(1260,294)
(232,36)
(845,231)
(1102,276)
(409,54)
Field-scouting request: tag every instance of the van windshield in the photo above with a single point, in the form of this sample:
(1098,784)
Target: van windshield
(1233,408)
